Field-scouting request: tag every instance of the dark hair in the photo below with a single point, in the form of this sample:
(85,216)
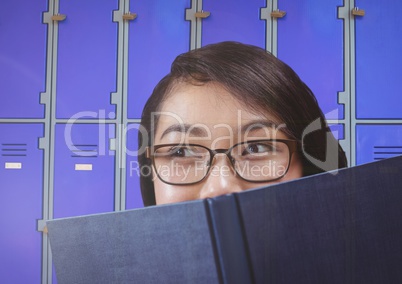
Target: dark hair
(262,83)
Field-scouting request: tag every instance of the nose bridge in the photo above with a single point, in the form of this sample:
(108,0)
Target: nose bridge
(221,153)
(221,160)
(221,178)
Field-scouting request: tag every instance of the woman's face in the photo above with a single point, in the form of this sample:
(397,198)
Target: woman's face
(208,115)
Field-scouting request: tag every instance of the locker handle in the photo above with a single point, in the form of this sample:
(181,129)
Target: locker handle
(202,14)
(129,16)
(358,12)
(278,14)
(58,17)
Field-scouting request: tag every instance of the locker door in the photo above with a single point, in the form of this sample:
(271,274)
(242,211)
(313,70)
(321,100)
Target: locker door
(22,58)
(377,142)
(133,171)
(338,130)
(310,40)
(234,21)
(156,37)
(87,56)
(83,170)
(379,60)
(21,183)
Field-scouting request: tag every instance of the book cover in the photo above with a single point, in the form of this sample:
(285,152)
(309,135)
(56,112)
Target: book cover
(337,227)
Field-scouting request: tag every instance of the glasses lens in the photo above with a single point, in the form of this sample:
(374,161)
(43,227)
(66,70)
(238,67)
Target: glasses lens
(261,160)
(181,164)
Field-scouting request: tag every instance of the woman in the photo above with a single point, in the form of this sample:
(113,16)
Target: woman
(230,117)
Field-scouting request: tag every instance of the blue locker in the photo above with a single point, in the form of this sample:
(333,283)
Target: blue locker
(21,183)
(133,171)
(83,170)
(87,58)
(379,60)
(338,130)
(22,58)
(376,142)
(310,40)
(156,37)
(235,21)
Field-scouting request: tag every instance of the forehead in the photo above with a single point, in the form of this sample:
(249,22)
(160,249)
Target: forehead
(210,111)
(209,103)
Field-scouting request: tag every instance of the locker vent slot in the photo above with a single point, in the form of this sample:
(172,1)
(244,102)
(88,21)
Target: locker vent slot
(85,151)
(14,150)
(384,152)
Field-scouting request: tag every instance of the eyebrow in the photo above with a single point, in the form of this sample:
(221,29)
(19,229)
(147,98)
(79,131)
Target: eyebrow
(259,124)
(184,128)
(201,132)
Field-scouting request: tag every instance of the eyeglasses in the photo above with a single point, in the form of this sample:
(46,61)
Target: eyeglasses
(253,161)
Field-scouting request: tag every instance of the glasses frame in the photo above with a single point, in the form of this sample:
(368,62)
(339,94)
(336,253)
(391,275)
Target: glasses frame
(290,143)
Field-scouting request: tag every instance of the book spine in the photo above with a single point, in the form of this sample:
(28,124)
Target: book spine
(227,234)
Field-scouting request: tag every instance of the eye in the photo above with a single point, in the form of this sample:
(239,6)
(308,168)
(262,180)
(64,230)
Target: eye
(186,152)
(180,152)
(257,148)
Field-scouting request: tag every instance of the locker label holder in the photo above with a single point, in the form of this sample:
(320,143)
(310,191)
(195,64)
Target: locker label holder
(13,166)
(130,16)
(59,17)
(202,14)
(278,14)
(83,167)
(358,12)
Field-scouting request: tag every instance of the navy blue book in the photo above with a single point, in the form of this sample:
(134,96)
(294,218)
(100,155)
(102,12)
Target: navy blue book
(337,227)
